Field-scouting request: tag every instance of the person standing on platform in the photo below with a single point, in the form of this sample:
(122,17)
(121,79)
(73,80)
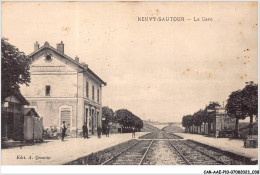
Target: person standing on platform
(63,130)
(85,131)
(99,131)
(133,132)
(107,131)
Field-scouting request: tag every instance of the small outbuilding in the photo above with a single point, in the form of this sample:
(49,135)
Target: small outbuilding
(19,123)
(13,117)
(32,126)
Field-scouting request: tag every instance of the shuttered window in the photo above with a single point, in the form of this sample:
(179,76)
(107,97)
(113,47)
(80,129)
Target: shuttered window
(93,93)
(87,89)
(65,116)
(98,95)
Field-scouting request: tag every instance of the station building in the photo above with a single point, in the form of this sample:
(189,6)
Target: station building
(219,124)
(62,89)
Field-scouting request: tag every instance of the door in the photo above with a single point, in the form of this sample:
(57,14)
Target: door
(93,120)
(90,123)
(86,116)
(98,124)
(10,125)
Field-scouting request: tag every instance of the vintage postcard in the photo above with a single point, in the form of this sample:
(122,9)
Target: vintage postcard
(130,83)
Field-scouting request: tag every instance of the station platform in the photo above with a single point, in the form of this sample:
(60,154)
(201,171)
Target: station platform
(57,152)
(226,144)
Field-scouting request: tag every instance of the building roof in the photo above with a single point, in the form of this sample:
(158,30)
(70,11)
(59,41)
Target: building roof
(23,100)
(19,97)
(84,67)
(28,111)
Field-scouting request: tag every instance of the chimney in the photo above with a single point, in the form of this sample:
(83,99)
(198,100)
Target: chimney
(77,59)
(84,64)
(36,46)
(60,47)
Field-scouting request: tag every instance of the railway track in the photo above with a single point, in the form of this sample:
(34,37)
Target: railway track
(148,136)
(191,154)
(164,148)
(181,151)
(162,135)
(136,154)
(133,155)
(168,154)
(175,136)
(195,156)
(216,153)
(161,148)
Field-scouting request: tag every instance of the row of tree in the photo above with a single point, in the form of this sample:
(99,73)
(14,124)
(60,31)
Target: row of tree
(200,117)
(122,117)
(244,103)
(240,104)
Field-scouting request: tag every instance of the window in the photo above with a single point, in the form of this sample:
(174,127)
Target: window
(48,58)
(87,89)
(47,90)
(18,107)
(93,93)
(98,95)
(11,106)
(33,103)
(65,115)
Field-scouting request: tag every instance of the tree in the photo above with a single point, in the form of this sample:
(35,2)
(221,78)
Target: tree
(235,108)
(213,105)
(128,119)
(250,102)
(15,69)
(121,116)
(198,119)
(184,121)
(138,123)
(187,121)
(108,114)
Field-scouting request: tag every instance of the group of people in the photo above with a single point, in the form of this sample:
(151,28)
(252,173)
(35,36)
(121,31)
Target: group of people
(85,131)
(64,128)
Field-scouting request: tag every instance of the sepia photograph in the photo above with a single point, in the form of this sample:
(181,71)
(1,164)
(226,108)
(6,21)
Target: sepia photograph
(130,83)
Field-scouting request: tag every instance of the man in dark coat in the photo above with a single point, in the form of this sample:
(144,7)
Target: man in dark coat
(99,131)
(107,131)
(63,130)
(85,131)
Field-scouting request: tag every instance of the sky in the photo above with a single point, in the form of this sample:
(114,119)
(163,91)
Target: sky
(159,70)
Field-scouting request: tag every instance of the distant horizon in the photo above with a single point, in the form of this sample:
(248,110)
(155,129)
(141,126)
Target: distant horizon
(246,120)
